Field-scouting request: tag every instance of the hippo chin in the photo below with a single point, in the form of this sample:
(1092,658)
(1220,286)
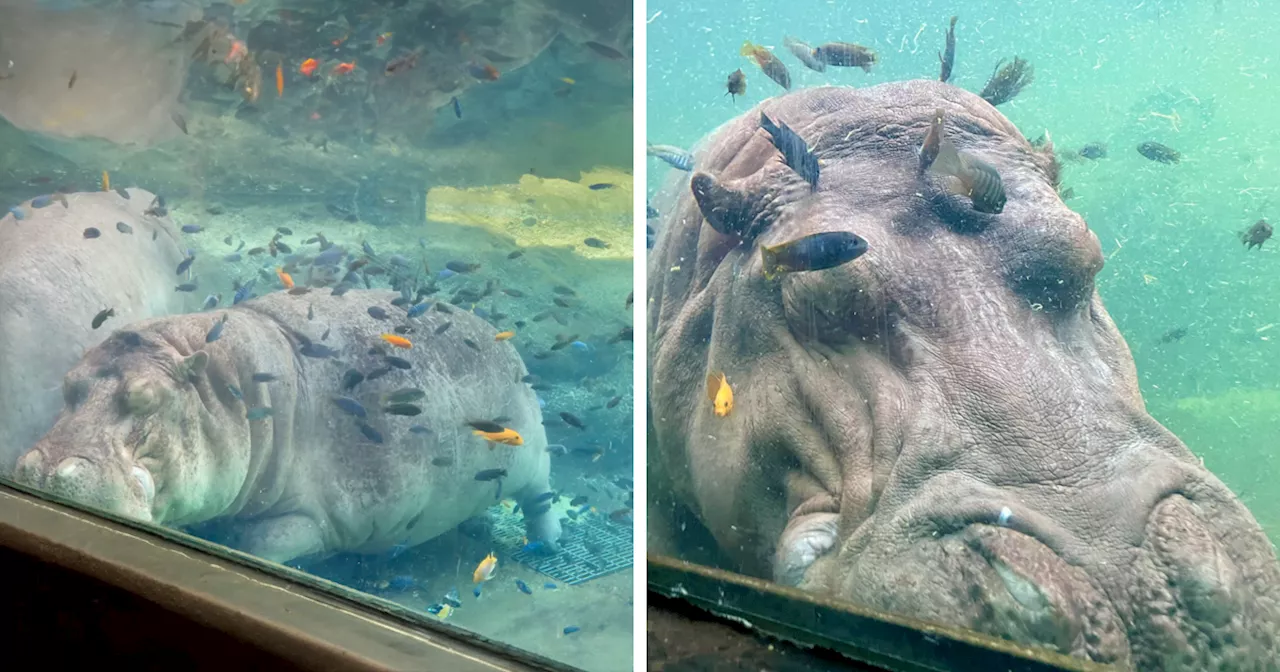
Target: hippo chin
(156,427)
(949,427)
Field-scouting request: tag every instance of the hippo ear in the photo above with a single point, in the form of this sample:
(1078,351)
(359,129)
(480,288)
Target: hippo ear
(191,365)
(728,210)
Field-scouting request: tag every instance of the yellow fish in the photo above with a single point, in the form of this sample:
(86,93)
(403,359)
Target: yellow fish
(567,80)
(445,610)
(507,436)
(484,570)
(720,394)
(106,181)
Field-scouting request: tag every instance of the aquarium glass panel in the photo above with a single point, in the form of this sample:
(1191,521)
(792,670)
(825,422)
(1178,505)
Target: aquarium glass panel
(964,311)
(345,285)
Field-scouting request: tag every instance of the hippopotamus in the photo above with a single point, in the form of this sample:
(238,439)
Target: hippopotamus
(54,279)
(948,427)
(166,423)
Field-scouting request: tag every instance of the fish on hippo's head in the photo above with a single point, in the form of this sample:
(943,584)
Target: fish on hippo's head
(130,439)
(948,426)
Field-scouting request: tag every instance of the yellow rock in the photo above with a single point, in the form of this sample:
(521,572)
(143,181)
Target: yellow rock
(538,212)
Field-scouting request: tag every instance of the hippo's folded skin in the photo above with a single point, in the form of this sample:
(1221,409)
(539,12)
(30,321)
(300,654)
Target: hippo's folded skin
(53,281)
(152,430)
(949,427)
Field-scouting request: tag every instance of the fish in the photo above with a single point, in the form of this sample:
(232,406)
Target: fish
(378,373)
(932,143)
(506,436)
(613,402)
(1158,152)
(737,84)
(403,396)
(504,335)
(378,313)
(211,301)
(407,410)
(485,426)
(578,501)
(243,292)
(462,266)
(549,586)
(186,287)
(804,52)
(235,392)
(285,278)
(569,630)
(382,39)
(185,264)
(106,181)
(596,243)
(397,341)
(772,67)
(491,474)
(371,433)
(815,252)
(17,213)
(605,50)
(92,232)
(215,332)
(970,176)
(350,406)
(484,570)
(795,152)
(264,377)
(948,58)
(308,67)
(342,69)
(1173,335)
(720,394)
(600,185)
(441,461)
(846,55)
(259,413)
(457,107)
(179,121)
(1093,151)
(403,63)
(418,309)
(1256,235)
(399,362)
(483,72)
(672,155)
(572,420)
(351,378)
(102,317)
(524,587)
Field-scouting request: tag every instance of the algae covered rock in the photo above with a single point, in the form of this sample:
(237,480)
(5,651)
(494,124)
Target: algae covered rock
(548,212)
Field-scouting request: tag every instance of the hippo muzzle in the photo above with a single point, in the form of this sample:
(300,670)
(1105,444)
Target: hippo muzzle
(90,482)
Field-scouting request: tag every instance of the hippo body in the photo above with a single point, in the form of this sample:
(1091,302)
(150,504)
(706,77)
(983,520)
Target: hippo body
(153,430)
(949,427)
(53,281)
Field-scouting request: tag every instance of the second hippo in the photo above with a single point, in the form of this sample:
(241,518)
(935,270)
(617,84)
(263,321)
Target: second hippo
(257,429)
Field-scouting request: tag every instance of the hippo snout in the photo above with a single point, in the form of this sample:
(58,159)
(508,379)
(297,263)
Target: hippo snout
(85,481)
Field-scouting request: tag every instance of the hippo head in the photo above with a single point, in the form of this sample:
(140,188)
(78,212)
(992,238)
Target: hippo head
(129,436)
(948,427)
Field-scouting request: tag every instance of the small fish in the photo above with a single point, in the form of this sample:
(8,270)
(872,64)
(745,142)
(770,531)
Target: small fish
(403,63)
(674,156)
(192,228)
(613,402)
(484,570)
(397,341)
(378,373)
(215,332)
(1093,151)
(408,410)
(399,362)
(804,52)
(967,175)
(351,378)
(814,252)
(524,587)
(485,426)
(308,67)
(471,344)
(419,429)
(737,84)
(1173,335)
(1158,152)
(504,335)
(350,406)
(457,107)
(571,629)
(600,185)
(550,586)
(596,243)
(280,80)
(572,420)
(720,394)
(259,413)
(578,501)
(443,328)
(772,67)
(179,121)
(72,81)
(371,433)
(342,69)
(484,73)
(442,461)
(795,152)
(186,287)
(418,309)
(491,474)
(185,264)
(102,317)
(1256,235)
(124,228)
(235,392)
(106,181)
(462,266)
(846,55)
(404,396)
(263,377)
(948,57)
(932,143)
(507,437)
(243,292)
(378,313)
(91,232)
(211,301)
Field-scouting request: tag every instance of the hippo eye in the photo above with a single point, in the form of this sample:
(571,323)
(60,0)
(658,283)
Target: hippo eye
(74,392)
(142,397)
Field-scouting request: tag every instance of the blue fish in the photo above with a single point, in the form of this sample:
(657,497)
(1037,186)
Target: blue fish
(235,392)
(17,213)
(215,332)
(401,583)
(350,406)
(243,292)
(457,107)
(185,264)
(399,260)
(550,586)
(452,599)
(476,591)
(580,345)
(329,257)
(211,301)
(481,312)
(419,309)
(368,249)
(532,547)
(42,201)
(234,256)
(192,228)
(446,274)
(259,413)
(524,587)
(420,429)
(571,629)
(370,433)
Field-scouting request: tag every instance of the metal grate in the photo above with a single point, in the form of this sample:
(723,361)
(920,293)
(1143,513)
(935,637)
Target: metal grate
(590,547)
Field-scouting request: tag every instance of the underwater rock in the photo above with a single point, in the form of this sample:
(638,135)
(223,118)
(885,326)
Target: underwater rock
(565,214)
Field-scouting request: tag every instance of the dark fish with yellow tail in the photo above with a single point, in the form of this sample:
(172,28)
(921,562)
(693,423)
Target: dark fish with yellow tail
(970,176)
(769,64)
(804,52)
(846,55)
(815,252)
(932,142)
(737,84)
(795,152)
(948,57)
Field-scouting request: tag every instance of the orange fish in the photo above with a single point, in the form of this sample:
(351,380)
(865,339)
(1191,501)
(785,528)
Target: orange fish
(284,278)
(504,335)
(382,39)
(343,68)
(484,570)
(507,437)
(720,394)
(280,80)
(398,341)
(238,50)
(309,67)
(340,40)
(106,181)
(485,72)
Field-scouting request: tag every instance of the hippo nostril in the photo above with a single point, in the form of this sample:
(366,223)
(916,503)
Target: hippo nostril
(803,542)
(29,468)
(1194,562)
(69,468)
(1023,590)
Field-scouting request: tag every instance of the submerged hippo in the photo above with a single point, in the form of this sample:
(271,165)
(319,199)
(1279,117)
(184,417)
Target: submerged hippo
(162,426)
(948,427)
(55,278)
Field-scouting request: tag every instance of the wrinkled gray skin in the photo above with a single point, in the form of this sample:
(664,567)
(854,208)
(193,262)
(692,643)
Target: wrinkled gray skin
(152,431)
(887,410)
(53,281)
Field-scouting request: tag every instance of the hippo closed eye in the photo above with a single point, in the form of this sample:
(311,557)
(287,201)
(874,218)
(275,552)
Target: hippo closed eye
(949,426)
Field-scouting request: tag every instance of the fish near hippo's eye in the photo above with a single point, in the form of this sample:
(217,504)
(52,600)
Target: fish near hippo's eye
(143,397)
